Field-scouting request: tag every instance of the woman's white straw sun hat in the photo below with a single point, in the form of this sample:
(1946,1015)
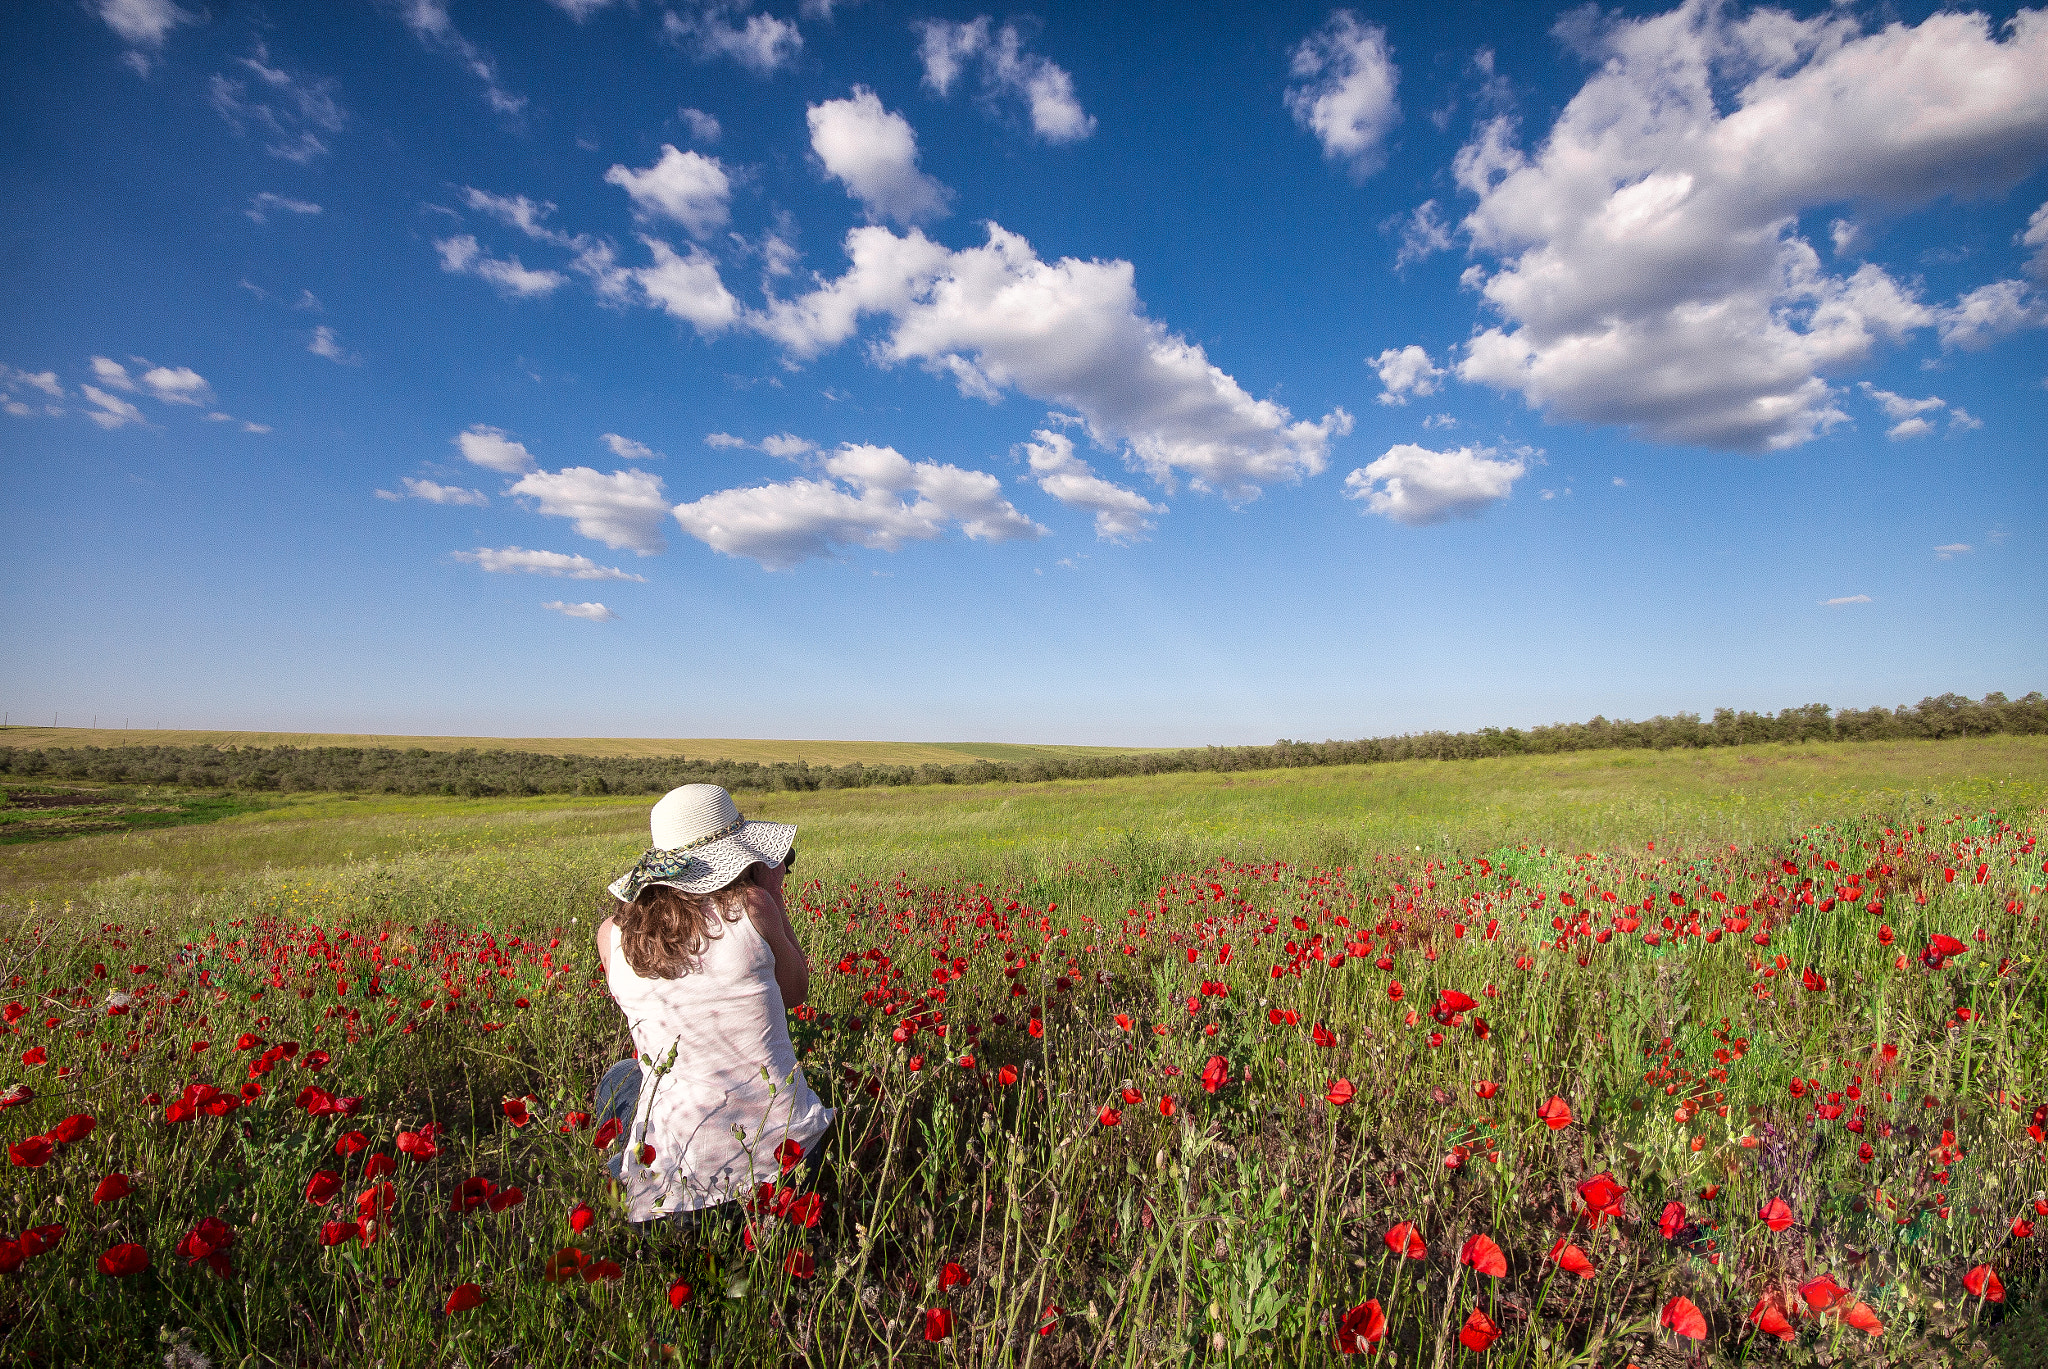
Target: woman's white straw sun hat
(702,843)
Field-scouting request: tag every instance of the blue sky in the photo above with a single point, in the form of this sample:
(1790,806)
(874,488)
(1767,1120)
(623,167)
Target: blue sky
(562,367)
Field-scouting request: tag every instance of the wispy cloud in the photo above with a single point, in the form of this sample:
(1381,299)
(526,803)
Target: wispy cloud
(592,613)
(1845,599)
(562,565)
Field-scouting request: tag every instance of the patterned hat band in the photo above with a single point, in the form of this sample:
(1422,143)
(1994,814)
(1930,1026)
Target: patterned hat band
(736,825)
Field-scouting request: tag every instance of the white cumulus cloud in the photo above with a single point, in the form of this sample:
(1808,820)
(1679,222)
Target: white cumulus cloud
(433,493)
(1007,71)
(561,564)
(141,24)
(593,613)
(1346,92)
(1405,371)
(177,385)
(1071,333)
(110,411)
(762,44)
(483,445)
(687,187)
(327,343)
(872,151)
(623,510)
(1951,551)
(626,449)
(1908,416)
(884,501)
(460,255)
(1988,313)
(1416,486)
(1121,514)
(1651,272)
(112,374)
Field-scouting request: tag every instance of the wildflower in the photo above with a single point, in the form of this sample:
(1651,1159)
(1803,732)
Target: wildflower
(1822,1293)
(339,1233)
(1983,1283)
(1341,1092)
(1478,1332)
(1132,1097)
(580,1218)
(575,1121)
(208,1241)
(607,1134)
(1109,1116)
(1403,1239)
(1571,1259)
(566,1263)
(76,1127)
(1323,1036)
(349,1143)
(1770,1318)
(1684,1318)
(789,1155)
(938,1324)
(1485,1256)
(119,1261)
(1007,1075)
(1362,1326)
(1776,1214)
(515,1111)
(471,1194)
(509,1196)
(113,1188)
(604,1271)
(953,1276)
(678,1294)
(1602,1195)
(1167,1105)
(1673,1220)
(800,1264)
(465,1297)
(418,1144)
(1215,1074)
(1486,1088)
(1555,1114)
(31,1152)
(322,1187)
(379,1165)
(1864,1318)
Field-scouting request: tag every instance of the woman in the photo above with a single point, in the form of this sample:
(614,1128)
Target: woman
(700,956)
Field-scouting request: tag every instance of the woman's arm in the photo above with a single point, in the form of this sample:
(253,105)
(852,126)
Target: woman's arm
(770,917)
(604,945)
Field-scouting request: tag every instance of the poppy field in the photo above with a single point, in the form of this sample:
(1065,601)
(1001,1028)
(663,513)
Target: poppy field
(1679,1100)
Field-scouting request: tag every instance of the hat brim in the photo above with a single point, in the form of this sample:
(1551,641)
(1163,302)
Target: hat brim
(712,866)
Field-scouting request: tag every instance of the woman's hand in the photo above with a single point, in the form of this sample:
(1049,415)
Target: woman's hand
(770,916)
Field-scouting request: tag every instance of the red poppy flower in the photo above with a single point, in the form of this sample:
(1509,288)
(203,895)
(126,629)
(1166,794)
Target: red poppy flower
(1555,1114)
(800,1264)
(1864,1318)
(566,1263)
(322,1187)
(1322,1036)
(1167,1105)
(1684,1318)
(1983,1283)
(39,1239)
(119,1261)
(1478,1332)
(471,1194)
(515,1111)
(1123,1019)
(509,1196)
(1362,1326)
(1571,1259)
(248,1041)
(953,1276)
(789,1155)
(1770,1318)
(35,1055)
(76,1127)
(1776,1214)
(1485,1256)
(580,1218)
(339,1233)
(376,1198)
(1395,992)
(315,1060)
(1673,1220)
(209,1240)
(1602,1195)
(1486,1088)
(112,1188)
(349,1143)
(31,1152)
(15,1097)
(465,1297)
(1215,1074)
(1035,1027)
(604,1271)
(938,1324)
(678,1293)
(1007,1075)
(575,1120)
(1403,1239)
(1822,1293)
(1132,1097)
(607,1134)
(1341,1092)
(1814,981)
(1109,1116)
(418,1144)
(379,1165)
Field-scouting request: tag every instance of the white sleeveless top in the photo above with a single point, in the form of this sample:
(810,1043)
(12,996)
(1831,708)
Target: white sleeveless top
(724,1089)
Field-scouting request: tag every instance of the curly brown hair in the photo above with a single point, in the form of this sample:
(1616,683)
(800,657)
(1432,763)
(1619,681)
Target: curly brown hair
(664,932)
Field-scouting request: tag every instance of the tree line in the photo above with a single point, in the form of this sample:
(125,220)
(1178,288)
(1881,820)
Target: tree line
(389,770)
